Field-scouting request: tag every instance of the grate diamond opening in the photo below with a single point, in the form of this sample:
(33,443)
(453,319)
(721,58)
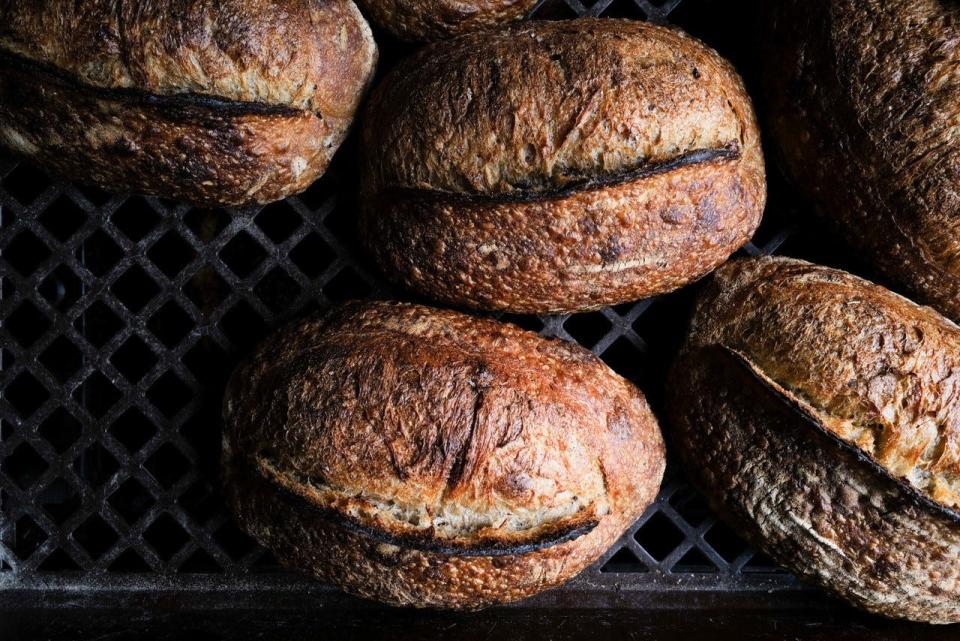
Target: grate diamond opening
(27,324)
(62,359)
(169,394)
(95,536)
(135,288)
(132,429)
(26,183)
(166,536)
(61,429)
(278,221)
(243,254)
(97,394)
(99,253)
(24,465)
(167,465)
(134,359)
(659,536)
(26,394)
(98,324)
(135,219)
(62,218)
(26,253)
(171,254)
(312,255)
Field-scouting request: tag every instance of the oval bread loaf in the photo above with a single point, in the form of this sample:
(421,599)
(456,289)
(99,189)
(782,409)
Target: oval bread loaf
(226,103)
(820,414)
(559,166)
(424,457)
(422,20)
(864,99)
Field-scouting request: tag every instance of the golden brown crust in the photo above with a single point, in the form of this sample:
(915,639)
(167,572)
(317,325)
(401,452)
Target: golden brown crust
(487,463)
(856,388)
(157,112)
(864,100)
(423,20)
(304,54)
(878,370)
(602,246)
(214,154)
(543,105)
(585,123)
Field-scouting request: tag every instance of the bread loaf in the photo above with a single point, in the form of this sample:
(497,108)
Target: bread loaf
(820,414)
(226,103)
(424,457)
(559,166)
(864,98)
(420,20)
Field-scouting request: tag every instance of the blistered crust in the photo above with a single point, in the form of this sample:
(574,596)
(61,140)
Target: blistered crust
(878,370)
(303,54)
(444,436)
(543,105)
(560,166)
(864,105)
(854,386)
(209,103)
(602,245)
(422,20)
(214,155)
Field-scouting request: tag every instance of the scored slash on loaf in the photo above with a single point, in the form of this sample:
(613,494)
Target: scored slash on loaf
(559,166)
(228,103)
(819,413)
(425,457)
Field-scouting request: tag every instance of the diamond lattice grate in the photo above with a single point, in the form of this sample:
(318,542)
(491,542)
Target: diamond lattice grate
(123,315)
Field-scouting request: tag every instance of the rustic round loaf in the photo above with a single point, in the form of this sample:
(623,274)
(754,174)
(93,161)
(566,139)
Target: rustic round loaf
(421,20)
(821,416)
(424,457)
(219,103)
(559,166)
(864,98)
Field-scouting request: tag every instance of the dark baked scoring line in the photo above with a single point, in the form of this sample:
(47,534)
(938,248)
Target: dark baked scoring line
(426,543)
(914,495)
(697,157)
(142,97)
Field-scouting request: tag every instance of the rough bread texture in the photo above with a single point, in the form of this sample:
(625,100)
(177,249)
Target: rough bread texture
(864,105)
(558,166)
(228,103)
(421,20)
(820,415)
(424,457)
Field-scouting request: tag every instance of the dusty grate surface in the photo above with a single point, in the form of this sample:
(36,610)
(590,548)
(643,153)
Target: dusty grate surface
(123,315)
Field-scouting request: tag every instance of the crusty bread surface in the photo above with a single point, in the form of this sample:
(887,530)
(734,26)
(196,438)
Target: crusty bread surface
(424,457)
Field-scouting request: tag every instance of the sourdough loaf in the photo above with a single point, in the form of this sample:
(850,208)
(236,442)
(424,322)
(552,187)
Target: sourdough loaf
(424,457)
(559,166)
(229,103)
(820,415)
(864,98)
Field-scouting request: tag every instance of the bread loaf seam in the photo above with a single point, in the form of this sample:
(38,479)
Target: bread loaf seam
(135,95)
(820,419)
(519,193)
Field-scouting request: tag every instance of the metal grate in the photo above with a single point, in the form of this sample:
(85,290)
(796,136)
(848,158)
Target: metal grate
(122,316)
